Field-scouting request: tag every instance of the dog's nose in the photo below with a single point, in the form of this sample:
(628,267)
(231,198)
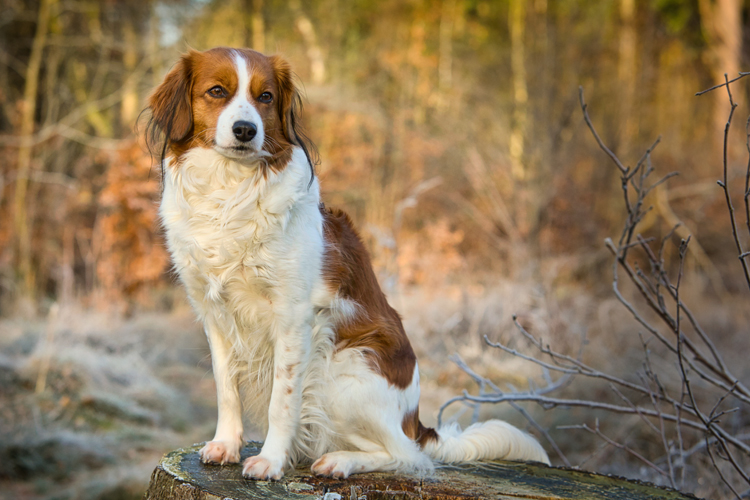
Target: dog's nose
(244,131)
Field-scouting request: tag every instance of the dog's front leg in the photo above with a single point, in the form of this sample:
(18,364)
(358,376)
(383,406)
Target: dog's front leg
(291,358)
(225,446)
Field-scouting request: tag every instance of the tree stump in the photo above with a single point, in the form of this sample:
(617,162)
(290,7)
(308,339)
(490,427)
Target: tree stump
(182,476)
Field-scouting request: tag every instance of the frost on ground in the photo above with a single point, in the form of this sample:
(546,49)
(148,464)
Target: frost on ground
(89,403)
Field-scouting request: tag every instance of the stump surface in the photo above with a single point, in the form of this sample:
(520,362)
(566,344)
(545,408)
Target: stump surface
(182,476)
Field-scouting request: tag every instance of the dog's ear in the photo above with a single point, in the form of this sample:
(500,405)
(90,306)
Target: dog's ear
(171,102)
(288,101)
(290,106)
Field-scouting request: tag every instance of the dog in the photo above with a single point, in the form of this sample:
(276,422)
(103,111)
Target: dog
(285,289)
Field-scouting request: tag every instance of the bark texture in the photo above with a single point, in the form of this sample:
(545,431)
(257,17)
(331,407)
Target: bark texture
(181,476)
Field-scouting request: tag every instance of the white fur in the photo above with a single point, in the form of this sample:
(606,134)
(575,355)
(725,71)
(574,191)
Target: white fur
(248,246)
(368,413)
(249,251)
(489,440)
(240,108)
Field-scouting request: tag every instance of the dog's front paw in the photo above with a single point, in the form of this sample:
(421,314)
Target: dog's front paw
(263,468)
(220,452)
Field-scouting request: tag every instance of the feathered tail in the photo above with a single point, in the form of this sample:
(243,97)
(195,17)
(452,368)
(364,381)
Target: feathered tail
(491,440)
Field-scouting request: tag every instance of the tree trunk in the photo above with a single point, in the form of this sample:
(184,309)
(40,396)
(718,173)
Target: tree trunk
(445,63)
(721,21)
(258,26)
(517,25)
(28,111)
(181,475)
(627,70)
(314,52)
(129,105)
(527,200)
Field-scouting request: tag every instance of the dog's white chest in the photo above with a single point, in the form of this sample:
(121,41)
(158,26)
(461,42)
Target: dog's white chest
(243,244)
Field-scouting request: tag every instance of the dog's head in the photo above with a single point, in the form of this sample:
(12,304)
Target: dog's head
(239,102)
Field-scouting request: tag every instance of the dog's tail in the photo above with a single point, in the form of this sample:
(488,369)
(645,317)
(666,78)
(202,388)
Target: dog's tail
(491,440)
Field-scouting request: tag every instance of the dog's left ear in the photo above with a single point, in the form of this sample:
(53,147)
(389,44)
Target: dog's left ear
(289,103)
(288,99)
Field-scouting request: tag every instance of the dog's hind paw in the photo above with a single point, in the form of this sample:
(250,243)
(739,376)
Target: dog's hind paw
(336,465)
(220,452)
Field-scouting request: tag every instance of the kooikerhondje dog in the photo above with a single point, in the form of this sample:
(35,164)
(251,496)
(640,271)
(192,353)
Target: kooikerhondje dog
(285,288)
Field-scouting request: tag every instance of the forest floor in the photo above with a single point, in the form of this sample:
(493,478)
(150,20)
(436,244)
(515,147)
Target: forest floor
(90,402)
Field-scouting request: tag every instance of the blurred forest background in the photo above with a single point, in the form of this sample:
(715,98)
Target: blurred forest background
(452,133)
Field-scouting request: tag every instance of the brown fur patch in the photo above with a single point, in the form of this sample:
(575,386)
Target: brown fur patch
(414,429)
(377,329)
(289,370)
(171,102)
(183,109)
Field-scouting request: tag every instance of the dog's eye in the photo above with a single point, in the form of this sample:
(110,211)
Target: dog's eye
(265,97)
(217,92)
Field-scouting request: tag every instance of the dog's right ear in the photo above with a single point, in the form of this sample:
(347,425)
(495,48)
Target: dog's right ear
(171,102)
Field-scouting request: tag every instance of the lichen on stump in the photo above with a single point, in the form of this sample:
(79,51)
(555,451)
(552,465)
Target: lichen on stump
(181,476)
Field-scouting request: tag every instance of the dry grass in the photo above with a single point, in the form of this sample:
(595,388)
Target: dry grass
(90,402)
(575,322)
(119,393)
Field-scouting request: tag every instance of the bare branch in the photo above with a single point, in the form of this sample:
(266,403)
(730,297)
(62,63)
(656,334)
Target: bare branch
(726,83)
(542,431)
(746,196)
(604,148)
(614,443)
(725,187)
(699,362)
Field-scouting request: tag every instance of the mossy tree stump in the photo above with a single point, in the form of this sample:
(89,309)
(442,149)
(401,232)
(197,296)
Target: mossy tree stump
(181,476)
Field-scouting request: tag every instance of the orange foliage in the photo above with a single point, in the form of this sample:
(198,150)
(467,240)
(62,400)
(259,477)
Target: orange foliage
(430,256)
(132,253)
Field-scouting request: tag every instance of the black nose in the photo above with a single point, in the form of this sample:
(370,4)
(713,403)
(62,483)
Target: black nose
(244,131)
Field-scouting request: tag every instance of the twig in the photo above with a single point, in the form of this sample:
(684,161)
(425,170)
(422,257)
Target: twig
(663,313)
(542,431)
(576,367)
(726,83)
(722,370)
(634,407)
(548,402)
(604,148)
(708,424)
(701,445)
(482,382)
(746,196)
(721,474)
(725,187)
(621,446)
(663,434)
(680,442)
(698,358)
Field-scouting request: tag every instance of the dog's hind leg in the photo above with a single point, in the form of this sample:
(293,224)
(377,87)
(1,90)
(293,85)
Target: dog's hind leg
(341,464)
(368,415)
(392,451)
